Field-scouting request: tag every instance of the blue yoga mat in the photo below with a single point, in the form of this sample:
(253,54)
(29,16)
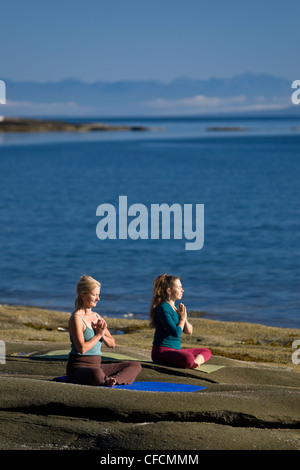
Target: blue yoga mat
(160,387)
(151,386)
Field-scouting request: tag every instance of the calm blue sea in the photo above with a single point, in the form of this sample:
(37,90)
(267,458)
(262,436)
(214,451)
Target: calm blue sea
(248,180)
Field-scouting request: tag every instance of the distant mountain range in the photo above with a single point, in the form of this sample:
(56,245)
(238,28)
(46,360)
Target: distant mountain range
(183,96)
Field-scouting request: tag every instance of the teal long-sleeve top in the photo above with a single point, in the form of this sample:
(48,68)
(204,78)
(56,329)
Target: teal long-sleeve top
(167,332)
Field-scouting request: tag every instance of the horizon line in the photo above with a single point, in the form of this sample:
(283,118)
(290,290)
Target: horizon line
(158,80)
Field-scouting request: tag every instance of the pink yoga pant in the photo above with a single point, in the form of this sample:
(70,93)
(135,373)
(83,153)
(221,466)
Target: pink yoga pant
(184,358)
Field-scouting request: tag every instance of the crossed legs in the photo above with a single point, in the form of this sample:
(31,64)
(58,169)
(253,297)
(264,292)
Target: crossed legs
(185,358)
(88,370)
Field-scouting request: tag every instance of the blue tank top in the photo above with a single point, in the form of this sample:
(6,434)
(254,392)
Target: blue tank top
(87,334)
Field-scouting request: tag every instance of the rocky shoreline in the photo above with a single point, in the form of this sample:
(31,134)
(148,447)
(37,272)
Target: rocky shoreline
(250,403)
(43,125)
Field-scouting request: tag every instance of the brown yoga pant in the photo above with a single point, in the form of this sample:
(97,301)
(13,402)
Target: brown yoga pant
(88,370)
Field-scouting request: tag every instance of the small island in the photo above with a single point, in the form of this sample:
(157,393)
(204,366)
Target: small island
(45,125)
(226,129)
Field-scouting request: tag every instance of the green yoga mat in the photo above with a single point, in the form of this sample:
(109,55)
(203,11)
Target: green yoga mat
(208,368)
(64,354)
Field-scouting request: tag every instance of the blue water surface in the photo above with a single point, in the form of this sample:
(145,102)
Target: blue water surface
(248,269)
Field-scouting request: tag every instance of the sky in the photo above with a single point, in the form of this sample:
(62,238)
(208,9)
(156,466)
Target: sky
(138,40)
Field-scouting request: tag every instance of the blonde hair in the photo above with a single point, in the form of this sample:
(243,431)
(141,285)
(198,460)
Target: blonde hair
(84,285)
(160,286)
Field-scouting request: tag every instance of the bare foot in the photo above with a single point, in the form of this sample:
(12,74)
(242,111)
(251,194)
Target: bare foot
(199,359)
(110,382)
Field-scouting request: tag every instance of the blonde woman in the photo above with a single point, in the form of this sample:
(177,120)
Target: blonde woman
(88,331)
(170,322)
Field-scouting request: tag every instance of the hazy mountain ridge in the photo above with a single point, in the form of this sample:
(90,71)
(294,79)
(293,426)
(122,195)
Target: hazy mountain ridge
(182,95)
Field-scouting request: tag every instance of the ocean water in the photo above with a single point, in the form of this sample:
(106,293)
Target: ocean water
(248,180)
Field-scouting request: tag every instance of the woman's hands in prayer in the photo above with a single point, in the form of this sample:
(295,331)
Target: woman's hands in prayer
(182,311)
(99,327)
